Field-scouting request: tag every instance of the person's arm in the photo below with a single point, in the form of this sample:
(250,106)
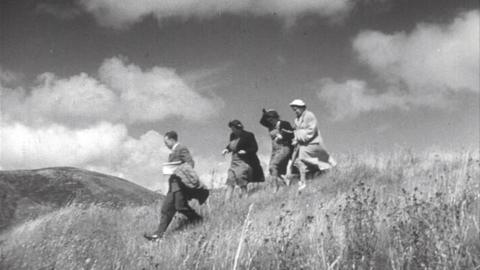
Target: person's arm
(227,148)
(286,130)
(309,129)
(232,137)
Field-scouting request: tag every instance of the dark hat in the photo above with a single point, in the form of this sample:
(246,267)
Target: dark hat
(235,123)
(271,114)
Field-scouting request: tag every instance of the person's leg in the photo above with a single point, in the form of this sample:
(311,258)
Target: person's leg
(244,190)
(282,163)
(244,178)
(229,192)
(289,173)
(230,185)
(292,166)
(303,154)
(274,178)
(167,213)
(181,205)
(242,182)
(302,169)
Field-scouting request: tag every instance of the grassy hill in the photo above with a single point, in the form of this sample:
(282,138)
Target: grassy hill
(398,211)
(26,194)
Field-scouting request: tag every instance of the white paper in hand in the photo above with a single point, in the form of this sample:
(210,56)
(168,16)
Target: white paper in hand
(169,169)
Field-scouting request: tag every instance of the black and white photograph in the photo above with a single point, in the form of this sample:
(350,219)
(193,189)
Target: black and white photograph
(240,134)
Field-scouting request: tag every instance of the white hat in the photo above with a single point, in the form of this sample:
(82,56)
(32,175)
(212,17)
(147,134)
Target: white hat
(298,103)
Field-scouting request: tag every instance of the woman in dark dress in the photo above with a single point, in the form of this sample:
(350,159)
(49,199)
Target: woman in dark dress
(245,166)
(281,133)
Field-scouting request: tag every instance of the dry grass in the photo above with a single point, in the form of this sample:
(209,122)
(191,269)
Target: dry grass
(402,211)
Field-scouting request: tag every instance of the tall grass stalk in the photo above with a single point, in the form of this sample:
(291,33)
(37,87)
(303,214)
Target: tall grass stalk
(242,237)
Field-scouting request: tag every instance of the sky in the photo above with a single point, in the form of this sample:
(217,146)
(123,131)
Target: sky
(96,83)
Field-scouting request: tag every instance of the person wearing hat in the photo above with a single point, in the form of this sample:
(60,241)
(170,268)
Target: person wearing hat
(245,166)
(310,155)
(281,133)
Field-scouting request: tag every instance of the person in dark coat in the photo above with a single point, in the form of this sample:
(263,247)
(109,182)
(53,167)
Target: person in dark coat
(245,166)
(178,193)
(281,133)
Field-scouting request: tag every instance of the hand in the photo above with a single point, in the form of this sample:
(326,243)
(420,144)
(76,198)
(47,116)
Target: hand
(278,137)
(225,151)
(274,133)
(294,142)
(241,152)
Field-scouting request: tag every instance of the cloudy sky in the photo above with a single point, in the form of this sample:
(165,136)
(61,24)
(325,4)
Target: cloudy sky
(95,83)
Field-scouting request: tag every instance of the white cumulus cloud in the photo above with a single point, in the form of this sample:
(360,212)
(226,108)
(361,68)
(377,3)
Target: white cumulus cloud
(81,121)
(123,13)
(425,67)
(79,97)
(156,93)
(430,58)
(23,146)
(122,93)
(8,77)
(349,98)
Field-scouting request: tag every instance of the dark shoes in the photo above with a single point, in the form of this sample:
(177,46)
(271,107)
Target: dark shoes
(152,237)
(194,219)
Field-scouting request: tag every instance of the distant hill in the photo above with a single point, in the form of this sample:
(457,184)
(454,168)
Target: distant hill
(28,193)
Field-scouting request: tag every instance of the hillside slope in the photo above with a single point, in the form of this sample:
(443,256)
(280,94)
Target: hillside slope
(398,211)
(28,193)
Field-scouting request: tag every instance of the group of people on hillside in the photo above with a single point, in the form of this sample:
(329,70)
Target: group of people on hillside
(298,149)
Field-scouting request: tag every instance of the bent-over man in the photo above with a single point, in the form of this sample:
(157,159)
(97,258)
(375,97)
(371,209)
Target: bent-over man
(183,185)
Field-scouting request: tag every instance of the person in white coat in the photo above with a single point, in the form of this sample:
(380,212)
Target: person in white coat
(310,154)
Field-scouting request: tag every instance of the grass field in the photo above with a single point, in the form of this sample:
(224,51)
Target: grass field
(399,211)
